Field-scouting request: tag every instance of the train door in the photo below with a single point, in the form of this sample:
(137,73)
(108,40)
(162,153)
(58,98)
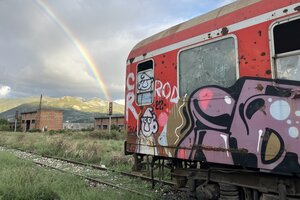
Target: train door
(145,83)
(145,96)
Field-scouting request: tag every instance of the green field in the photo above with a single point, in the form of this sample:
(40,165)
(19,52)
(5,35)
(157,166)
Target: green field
(22,180)
(92,147)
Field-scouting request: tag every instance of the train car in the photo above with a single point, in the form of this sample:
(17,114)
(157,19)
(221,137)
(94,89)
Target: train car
(221,92)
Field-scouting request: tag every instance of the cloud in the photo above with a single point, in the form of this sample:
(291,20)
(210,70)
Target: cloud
(4,91)
(37,56)
(120,101)
(224,2)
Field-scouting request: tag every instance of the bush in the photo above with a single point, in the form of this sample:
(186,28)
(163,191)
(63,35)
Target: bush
(53,132)
(88,129)
(61,131)
(4,125)
(35,130)
(115,127)
(4,122)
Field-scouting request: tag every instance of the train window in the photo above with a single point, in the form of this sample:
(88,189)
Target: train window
(209,64)
(145,83)
(287,49)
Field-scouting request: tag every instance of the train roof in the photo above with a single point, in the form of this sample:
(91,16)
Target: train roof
(197,20)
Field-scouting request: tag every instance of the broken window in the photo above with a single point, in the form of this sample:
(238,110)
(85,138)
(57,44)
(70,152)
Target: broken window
(287,49)
(145,83)
(210,64)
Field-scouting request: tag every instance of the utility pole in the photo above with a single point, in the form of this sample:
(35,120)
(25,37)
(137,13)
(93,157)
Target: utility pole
(39,113)
(40,106)
(110,111)
(16,120)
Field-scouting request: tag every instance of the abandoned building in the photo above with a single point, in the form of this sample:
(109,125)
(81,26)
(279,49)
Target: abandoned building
(42,119)
(102,123)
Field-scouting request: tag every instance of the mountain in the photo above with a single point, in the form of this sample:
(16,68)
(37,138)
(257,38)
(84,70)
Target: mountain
(7,104)
(76,109)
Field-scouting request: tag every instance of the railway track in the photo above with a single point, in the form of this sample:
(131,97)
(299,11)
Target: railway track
(146,178)
(97,167)
(94,178)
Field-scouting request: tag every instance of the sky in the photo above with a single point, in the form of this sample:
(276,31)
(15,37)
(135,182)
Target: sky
(79,47)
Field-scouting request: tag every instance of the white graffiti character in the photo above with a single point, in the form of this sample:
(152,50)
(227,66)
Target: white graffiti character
(149,123)
(145,81)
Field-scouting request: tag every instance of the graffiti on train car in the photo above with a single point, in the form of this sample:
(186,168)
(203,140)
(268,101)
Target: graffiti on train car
(166,91)
(145,81)
(130,97)
(149,125)
(252,124)
(147,130)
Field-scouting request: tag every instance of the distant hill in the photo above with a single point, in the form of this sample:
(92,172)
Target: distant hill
(76,109)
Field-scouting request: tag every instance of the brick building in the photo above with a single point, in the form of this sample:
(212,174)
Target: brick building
(42,119)
(102,123)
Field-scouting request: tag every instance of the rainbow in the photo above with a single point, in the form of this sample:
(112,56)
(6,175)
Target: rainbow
(81,48)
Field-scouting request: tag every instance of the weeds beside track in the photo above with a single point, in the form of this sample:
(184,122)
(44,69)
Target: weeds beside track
(99,175)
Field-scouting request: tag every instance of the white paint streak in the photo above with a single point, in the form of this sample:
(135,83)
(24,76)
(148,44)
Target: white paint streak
(260,132)
(225,138)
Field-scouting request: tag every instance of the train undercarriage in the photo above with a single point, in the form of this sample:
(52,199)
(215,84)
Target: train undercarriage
(209,181)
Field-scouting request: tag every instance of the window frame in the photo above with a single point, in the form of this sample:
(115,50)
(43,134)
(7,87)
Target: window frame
(136,93)
(273,55)
(237,67)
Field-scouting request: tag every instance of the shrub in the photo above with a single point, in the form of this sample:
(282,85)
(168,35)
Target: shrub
(3,121)
(53,132)
(88,129)
(34,130)
(115,127)
(4,125)
(61,131)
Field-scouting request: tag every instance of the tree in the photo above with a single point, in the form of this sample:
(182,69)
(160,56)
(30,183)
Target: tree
(4,125)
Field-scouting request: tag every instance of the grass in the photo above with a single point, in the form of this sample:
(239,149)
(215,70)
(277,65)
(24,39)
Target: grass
(92,147)
(22,180)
